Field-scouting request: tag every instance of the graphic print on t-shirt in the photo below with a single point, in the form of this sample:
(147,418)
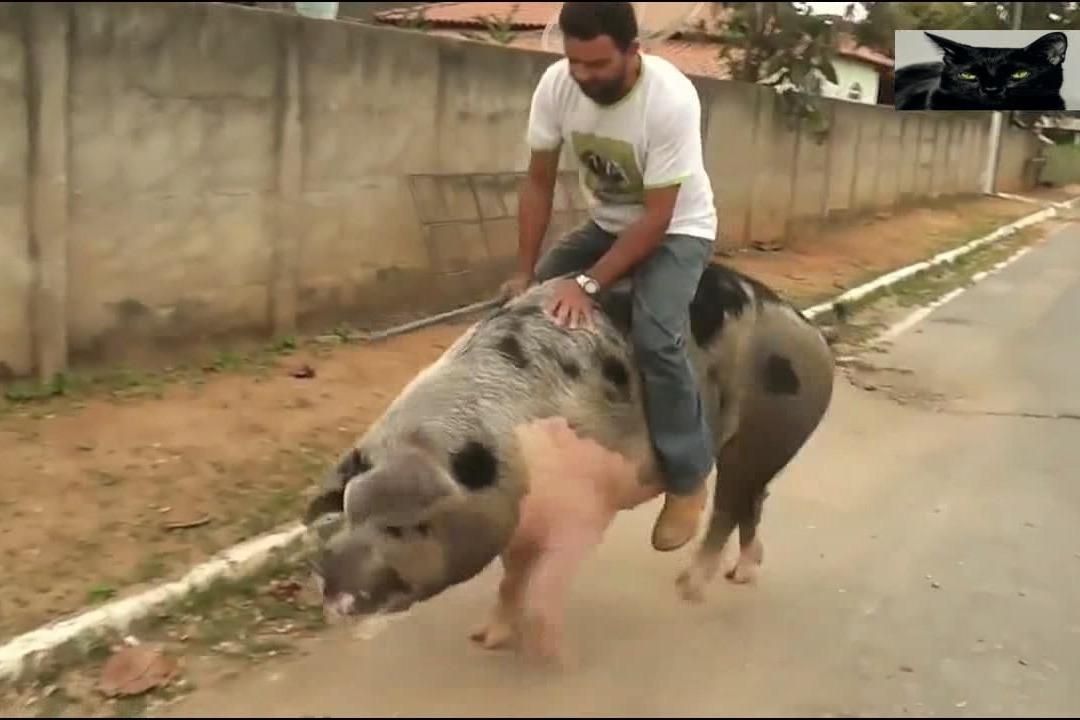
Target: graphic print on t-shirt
(611,169)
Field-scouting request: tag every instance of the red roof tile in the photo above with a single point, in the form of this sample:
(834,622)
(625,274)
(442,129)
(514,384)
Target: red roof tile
(846,46)
(522,16)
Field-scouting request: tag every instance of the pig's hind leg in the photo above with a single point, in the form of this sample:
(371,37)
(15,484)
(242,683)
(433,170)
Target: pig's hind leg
(745,470)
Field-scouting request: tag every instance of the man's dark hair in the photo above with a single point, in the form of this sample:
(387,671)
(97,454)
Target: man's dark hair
(590,20)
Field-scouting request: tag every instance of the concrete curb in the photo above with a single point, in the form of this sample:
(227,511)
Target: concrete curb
(910,271)
(19,654)
(926,311)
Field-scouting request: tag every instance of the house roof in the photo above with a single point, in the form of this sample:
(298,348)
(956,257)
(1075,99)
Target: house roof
(692,57)
(522,16)
(847,47)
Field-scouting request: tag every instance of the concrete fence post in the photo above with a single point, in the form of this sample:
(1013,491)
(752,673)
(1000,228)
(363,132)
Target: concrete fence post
(826,182)
(47,29)
(283,285)
(852,204)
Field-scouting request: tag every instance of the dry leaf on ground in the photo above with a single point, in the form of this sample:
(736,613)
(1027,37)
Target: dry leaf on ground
(136,669)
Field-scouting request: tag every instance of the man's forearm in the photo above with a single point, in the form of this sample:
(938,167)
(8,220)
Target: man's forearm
(534,214)
(635,244)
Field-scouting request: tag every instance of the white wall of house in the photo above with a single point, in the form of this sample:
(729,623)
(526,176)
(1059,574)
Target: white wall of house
(857,81)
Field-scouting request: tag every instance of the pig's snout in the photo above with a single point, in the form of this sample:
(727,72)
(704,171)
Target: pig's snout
(338,607)
(343,588)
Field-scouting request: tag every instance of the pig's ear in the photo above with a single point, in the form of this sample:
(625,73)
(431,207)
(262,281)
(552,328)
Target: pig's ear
(404,487)
(330,501)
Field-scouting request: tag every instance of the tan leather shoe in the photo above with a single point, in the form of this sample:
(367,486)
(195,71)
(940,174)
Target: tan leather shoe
(678,521)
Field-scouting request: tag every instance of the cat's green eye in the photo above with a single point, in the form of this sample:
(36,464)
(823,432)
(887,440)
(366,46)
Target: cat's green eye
(967,76)
(1020,74)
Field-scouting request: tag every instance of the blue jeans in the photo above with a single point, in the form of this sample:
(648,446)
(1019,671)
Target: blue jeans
(663,286)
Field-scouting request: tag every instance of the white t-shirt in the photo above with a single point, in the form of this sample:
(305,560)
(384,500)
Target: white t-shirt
(651,138)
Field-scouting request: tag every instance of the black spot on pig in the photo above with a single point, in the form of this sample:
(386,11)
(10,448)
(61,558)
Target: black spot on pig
(510,348)
(780,377)
(614,371)
(569,367)
(719,295)
(331,501)
(475,466)
(354,463)
(527,311)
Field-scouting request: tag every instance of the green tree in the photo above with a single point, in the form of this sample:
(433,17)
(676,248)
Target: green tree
(882,19)
(781,44)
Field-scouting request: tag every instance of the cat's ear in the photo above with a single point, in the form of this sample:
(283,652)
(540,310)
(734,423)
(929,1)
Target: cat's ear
(952,49)
(1051,46)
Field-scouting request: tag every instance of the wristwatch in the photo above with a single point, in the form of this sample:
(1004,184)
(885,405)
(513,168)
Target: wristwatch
(586,283)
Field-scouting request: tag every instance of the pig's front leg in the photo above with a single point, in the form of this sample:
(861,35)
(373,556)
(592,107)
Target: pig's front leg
(501,628)
(545,597)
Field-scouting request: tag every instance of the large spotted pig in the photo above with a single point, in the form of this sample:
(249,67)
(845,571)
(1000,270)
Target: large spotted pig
(523,440)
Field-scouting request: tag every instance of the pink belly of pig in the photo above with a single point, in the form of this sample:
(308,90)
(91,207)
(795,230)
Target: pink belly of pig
(575,485)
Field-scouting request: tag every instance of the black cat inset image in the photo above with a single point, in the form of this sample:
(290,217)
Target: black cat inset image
(978,78)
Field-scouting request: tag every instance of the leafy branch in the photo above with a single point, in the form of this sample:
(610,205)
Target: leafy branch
(785,46)
(416,20)
(499,29)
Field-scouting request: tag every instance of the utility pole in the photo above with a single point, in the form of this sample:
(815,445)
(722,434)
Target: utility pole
(996,120)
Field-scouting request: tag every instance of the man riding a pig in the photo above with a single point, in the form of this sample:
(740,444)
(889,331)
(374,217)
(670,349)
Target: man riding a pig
(633,121)
(526,437)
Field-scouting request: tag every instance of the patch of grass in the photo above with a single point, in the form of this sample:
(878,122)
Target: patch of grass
(237,620)
(100,593)
(129,707)
(267,646)
(224,361)
(27,391)
(272,511)
(343,333)
(284,345)
(130,383)
(152,567)
(54,704)
(97,649)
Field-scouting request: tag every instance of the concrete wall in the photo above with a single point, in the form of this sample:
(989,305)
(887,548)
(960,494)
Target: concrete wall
(1062,164)
(773,183)
(178,172)
(16,271)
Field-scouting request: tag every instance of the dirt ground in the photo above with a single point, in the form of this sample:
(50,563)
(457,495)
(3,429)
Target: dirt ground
(132,480)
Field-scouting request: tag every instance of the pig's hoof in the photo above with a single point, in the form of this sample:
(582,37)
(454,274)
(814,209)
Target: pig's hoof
(746,569)
(691,584)
(744,573)
(493,636)
(542,646)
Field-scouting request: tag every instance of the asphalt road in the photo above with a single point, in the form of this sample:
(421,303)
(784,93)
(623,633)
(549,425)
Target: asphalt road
(922,557)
